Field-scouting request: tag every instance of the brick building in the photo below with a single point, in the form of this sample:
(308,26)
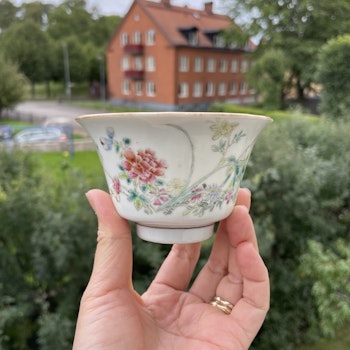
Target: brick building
(166,57)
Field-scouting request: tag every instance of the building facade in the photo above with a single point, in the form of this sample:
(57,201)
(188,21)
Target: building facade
(165,57)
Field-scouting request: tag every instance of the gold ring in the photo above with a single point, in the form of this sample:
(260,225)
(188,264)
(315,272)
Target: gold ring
(222,305)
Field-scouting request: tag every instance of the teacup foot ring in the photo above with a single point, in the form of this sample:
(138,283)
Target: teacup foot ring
(174,235)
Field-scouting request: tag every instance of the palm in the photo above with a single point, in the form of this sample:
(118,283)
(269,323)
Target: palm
(167,316)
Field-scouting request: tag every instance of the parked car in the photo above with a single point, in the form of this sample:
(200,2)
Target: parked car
(6,132)
(40,134)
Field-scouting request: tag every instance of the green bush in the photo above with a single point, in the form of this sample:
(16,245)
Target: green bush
(46,248)
(334,75)
(299,176)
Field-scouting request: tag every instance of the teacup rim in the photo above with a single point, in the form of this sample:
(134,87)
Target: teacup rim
(180,114)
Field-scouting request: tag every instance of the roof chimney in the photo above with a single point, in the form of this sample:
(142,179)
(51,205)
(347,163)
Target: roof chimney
(166,3)
(208,7)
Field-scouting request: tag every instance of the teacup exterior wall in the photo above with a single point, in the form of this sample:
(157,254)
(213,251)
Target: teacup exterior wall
(174,173)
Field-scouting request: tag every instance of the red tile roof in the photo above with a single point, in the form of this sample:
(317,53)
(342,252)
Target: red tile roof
(170,19)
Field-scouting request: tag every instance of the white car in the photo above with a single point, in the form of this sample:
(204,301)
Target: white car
(41,134)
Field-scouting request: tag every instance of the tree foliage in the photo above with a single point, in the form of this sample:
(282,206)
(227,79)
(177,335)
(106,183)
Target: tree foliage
(32,35)
(12,84)
(300,184)
(297,27)
(334,75)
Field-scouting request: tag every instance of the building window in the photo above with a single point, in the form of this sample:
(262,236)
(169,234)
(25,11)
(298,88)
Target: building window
(193,37)
(138,63)
(150,37)
(244,66)
(138,88)
(125,64)
(234,65)
(183,64)
(124,39)
(197,89)
(223,65)
(233,88)
(222,89)
(209,89)
(137,38)
(211,65)
(151,88)
(150,64)
(126,87)
(198,64)
(243,88)
(219,41)
(183,90)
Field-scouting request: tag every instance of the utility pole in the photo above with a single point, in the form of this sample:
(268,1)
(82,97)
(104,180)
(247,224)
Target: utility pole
(66,71)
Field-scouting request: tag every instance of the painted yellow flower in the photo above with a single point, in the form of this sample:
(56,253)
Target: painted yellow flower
(222,128)
(175,186)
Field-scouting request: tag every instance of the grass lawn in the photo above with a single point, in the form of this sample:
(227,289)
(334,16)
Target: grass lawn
(86,162)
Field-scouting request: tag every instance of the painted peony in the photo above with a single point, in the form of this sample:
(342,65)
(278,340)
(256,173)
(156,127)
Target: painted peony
(143,166)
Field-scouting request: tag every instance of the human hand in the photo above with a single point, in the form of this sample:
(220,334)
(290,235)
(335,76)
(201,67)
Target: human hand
(113,316)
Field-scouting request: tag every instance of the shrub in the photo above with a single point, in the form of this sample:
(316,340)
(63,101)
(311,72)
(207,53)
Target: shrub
(299,178)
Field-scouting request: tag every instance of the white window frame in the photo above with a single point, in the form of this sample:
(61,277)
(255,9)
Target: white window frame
(244,66)
(243,88)
(223,65)
(197,89)
(126,87)
(150,64)
(138,64)
(222,89)
(183,90)
(137,38)
(234,65)
(210,89)
(198,64)
(124,39)
(138,88)
(233,88)
(211,65)
(184,64)
(150,88)
(125,65)
(150,37)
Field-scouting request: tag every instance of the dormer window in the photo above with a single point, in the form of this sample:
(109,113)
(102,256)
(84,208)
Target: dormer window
(215,37)
(191,35)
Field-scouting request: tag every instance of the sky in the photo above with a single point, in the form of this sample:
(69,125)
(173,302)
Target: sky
(120,7)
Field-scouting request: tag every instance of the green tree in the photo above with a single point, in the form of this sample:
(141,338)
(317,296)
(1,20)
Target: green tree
(8,12)
(12,84)
(36,11)
(334,75)
(329,268)
(30,48)
(69,19)
(299,179)
(268,76)
(297,27)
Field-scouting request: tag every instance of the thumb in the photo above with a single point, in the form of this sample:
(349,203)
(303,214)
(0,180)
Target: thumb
(112,268)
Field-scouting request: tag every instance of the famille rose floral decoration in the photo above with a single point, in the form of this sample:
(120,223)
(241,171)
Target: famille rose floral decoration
(142,175)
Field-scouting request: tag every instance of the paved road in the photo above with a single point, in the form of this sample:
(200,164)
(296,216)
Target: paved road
(41,112)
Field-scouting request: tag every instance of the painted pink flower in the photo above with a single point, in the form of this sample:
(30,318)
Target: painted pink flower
(229,197)
(160,197)
(144,165)
(197,194)
(116,185)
